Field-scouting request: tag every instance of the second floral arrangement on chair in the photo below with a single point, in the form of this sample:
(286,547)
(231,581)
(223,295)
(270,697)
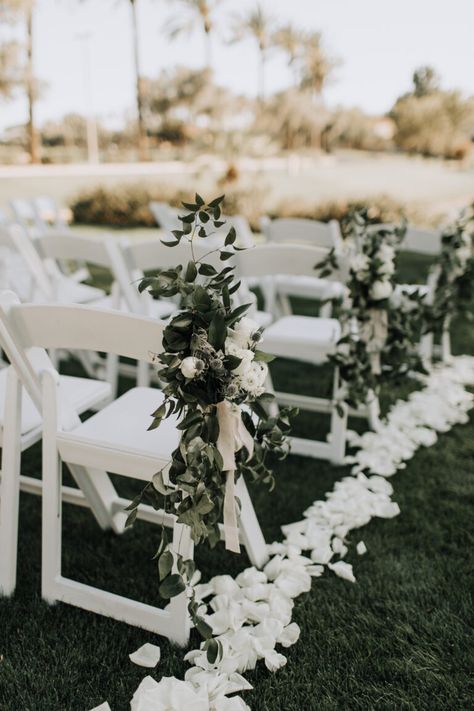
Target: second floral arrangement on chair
(214,377)
(381,325)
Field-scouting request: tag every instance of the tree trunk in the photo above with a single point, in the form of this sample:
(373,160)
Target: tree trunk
(208,41)
(33,145)
(142,137)
(261,84)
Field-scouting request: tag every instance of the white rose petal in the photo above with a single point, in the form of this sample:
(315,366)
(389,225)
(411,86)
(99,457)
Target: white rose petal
(342,570)
(148,655)
(361,548)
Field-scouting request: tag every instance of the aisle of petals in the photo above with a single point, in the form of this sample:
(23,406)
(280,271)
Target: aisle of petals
(251,614)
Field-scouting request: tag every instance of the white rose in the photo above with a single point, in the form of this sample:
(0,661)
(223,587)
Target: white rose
(246,357)
(254,378)
(464,254)
(359,264)
(386,253)
(381,290)
(191,366)
(243,331)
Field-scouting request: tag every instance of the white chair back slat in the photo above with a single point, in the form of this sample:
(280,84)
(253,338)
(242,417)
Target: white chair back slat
(272,259)
(165,216)
(150,255)
(319,234)
(78,327)
(417,240)
(422,241)
(58,246)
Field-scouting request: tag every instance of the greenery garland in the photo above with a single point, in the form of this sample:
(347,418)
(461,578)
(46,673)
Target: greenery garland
(210,356)
(381,325)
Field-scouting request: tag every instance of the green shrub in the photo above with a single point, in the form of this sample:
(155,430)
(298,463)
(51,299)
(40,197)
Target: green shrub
(121,205)
(127,206)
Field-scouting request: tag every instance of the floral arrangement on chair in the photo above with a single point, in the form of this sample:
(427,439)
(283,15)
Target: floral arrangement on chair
(454,278)
(214,381)
(381,326)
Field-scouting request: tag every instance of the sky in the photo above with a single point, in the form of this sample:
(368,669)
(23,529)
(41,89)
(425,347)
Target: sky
(380,43)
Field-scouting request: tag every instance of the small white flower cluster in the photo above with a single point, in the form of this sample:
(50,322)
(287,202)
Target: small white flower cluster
(360,265)
(250,375)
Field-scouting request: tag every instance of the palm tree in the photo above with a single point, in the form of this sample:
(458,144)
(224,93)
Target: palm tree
(10,11)
(317,65)
(258,25)
(200,11)
(142,135)
(290,40)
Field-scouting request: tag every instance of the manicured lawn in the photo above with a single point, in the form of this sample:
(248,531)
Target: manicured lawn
(397,640)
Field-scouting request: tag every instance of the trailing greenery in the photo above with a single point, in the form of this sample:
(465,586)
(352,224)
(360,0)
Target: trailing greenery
(210,358)
(454,274)
(381,326)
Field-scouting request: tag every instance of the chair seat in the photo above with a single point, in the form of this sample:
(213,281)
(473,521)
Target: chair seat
(308,287)
(82,393)
(263,318)
(117,439)
(304,338)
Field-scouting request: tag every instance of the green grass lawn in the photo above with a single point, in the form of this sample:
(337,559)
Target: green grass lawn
(398,639)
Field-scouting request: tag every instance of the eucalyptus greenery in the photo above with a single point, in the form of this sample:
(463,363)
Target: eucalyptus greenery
(454,290)
(210,355)
(381,325)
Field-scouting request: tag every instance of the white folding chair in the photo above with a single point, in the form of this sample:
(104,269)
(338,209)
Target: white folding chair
(25,215)
(427,243)
(115,440)
(20,428)
(49,214)
(309,340)
(309,232)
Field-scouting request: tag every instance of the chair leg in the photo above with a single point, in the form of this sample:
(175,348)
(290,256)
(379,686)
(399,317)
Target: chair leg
(178,606)
(52,476)
(10,485)
(143,374)
(339,417)
(250,531)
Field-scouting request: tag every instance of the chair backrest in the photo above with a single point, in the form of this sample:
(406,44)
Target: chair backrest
(25,214)
(319,234)
(165,216)
(23,245)
(26,330)
(48,212)
(420,241)
(270,259)
(241,225)
(150,255)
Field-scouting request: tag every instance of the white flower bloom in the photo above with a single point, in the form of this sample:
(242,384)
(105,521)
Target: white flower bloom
(381,290)
(360,264)
(386,253)
(254,378)
(244,332)
(191,366)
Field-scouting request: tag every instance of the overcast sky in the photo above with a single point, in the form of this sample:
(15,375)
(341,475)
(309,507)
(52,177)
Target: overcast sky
(380,42)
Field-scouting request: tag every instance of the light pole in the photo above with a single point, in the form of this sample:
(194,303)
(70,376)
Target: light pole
(91,123)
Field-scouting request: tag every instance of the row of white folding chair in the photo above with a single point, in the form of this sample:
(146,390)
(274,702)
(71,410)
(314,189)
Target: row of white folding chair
(42,213)
(308,340)
(114,440)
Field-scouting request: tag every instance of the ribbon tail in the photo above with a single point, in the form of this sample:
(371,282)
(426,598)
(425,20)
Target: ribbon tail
(231,528)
